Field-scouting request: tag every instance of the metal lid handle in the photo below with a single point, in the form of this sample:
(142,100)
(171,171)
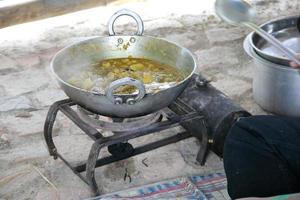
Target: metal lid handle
(129,13)
(121,82)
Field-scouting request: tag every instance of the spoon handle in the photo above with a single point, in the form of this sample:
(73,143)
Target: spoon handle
(288,52)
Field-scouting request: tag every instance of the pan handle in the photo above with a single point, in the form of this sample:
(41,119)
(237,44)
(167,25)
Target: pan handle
(121,82)
(129,13)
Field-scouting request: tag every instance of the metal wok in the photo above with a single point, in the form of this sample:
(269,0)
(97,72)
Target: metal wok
(82,54)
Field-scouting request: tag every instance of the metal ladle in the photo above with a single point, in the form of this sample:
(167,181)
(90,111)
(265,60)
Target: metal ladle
(239,12)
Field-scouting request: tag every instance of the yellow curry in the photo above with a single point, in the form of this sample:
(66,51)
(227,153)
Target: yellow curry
(153,74)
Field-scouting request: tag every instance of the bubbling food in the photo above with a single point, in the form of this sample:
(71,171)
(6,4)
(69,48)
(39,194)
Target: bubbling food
(154,75)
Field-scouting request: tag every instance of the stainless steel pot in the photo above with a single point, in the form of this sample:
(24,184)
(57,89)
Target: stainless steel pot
(285,30)
(276,88)
(77,56)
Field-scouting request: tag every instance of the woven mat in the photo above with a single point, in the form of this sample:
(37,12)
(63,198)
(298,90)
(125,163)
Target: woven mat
(209,187)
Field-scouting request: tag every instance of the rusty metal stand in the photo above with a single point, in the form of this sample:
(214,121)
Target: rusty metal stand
(178,114)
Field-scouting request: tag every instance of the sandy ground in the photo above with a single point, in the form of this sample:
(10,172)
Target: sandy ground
(27,89)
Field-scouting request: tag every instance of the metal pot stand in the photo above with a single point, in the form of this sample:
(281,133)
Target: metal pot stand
(178,114)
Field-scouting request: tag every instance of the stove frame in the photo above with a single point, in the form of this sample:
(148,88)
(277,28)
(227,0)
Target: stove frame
(177,114)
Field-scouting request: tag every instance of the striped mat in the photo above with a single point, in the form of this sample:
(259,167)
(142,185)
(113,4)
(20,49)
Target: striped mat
(209,187)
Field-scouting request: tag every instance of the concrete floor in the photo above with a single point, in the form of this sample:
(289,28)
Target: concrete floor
(27,89)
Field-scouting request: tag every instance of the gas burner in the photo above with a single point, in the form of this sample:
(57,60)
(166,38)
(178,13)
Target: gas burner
(178,114)
(117,124)
(201,110)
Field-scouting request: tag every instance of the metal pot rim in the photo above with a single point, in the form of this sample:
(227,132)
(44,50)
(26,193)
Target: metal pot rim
(251,52)
(259,51)
(102,37)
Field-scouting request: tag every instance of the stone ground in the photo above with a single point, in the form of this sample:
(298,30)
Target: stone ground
(27,89)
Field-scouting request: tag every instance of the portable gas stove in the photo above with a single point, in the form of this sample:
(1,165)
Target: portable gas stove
(210,128)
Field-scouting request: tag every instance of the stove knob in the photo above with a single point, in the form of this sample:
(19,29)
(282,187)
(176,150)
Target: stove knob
(200,82)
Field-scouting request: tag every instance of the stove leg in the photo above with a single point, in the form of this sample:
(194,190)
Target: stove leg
(204,149)
(91,164)
(202,134)
(48,127)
